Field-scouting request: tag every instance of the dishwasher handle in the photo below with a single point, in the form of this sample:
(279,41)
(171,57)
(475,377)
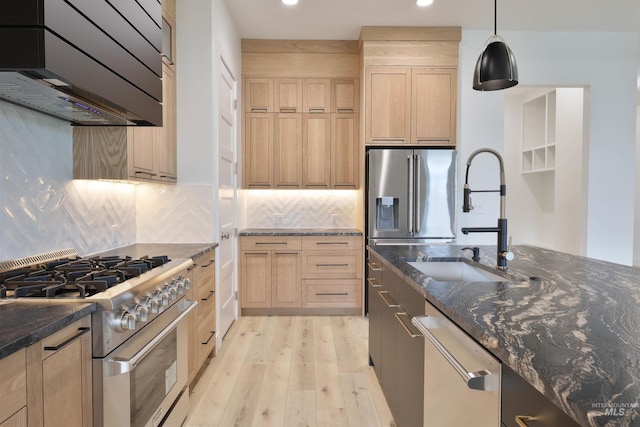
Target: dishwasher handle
(479,380)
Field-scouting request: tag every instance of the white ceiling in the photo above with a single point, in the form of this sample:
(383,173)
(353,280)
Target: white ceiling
(342,19)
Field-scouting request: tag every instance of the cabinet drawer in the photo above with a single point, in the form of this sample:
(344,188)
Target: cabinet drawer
(334,293)
(270,243)
(13,384)
(206,339)
(323,265)
(68,333)
(206,305)
(331,243)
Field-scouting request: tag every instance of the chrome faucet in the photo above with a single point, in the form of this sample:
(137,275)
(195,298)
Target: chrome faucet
(503,254)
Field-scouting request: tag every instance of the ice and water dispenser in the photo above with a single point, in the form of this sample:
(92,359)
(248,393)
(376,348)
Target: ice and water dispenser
(387,213)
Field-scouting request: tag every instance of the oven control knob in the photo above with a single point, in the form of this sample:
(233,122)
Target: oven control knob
(172,291)
(180,285)
(141,312)
(127,321)
(163,298)
(151,304)
(184,282)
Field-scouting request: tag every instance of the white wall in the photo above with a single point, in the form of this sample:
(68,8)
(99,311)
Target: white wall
(564,59)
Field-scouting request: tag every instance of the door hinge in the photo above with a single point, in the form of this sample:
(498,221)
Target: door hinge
(236,295)
(235,104)
(235,232)
(235,168)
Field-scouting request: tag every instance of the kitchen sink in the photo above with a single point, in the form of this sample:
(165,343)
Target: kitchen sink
(456,271)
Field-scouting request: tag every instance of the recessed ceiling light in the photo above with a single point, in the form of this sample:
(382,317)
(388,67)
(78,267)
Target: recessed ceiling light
(424,2)
(290,2)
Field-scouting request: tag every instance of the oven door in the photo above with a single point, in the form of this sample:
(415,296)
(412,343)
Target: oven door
(144,377)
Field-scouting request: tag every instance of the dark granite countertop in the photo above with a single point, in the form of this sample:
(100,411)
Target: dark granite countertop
(172,250)
(25,323)
(574,334)
(300,232)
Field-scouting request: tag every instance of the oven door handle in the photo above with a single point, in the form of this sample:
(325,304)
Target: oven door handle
(118,365)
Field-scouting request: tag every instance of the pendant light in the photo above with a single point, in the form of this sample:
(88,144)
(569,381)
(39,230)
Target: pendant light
(496,67)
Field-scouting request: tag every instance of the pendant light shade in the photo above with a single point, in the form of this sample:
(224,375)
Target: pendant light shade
(496,67)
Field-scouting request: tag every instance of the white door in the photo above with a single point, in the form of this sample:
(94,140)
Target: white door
(227,195)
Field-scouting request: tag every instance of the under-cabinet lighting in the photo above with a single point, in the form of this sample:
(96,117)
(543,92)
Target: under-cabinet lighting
(290,2)
(424,2)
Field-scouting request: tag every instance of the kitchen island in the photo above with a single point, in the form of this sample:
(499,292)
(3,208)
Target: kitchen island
(566,324)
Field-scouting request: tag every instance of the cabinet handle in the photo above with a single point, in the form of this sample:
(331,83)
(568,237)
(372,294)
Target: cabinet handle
(168,176)
(373,267)
(211,293)
(345,110)
(332,243)
(259,109)
(522,420)
(371,282)
(332,265)
(271,243)
(287,109)
(332,293)
(385,298)
(209,339)
(316,110)
(81,331)
(164,55)
(208,264)
(400,140)
(194,265)
(479,380)
(146,173)
(405,326)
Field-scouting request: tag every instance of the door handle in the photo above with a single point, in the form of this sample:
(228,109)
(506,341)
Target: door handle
(224,235)
(405,325)
(390,303)
(410,195)
(416,192)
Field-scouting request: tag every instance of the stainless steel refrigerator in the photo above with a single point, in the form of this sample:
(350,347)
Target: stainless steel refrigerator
(411,196)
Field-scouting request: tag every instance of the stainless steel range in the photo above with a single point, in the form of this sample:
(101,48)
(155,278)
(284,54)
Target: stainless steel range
(139,330)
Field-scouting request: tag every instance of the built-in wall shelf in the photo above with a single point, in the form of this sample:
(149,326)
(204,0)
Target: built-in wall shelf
(539,134)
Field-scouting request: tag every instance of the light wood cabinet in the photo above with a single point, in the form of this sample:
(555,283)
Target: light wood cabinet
(284,148)
(414,106)
(270,272)
(301,274)
(202,323)
(316,151)
(13,388)
(287,150)
(59,380)
(143,153)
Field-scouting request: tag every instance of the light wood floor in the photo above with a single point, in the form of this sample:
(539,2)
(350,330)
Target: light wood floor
(291,371)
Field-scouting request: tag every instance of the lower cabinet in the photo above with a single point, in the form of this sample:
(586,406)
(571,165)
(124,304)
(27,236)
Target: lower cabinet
(13,388)
(202,322)
(300,274)
(522,404)
(59,378)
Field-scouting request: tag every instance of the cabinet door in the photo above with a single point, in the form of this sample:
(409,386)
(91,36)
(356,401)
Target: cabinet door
(288,95)
(345,95)
(410,372)
(166,138)
(389,353)
(375,307)
(258,95)
(288,150)
(344,151)
(255,279)
(316,151)
(433,107)
(258,150)
(141,147)
(285,279)
(388,104)
(316,95)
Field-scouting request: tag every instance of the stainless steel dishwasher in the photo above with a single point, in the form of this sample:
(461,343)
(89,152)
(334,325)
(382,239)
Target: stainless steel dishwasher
(461,379)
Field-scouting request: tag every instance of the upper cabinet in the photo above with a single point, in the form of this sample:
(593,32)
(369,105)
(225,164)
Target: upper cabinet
(301,108)
(143,153)
(410,85)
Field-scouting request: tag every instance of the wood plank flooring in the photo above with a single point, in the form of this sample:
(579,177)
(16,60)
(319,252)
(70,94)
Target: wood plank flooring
(290,371)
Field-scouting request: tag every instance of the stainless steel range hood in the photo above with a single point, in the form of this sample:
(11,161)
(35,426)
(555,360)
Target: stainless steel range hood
(84,61)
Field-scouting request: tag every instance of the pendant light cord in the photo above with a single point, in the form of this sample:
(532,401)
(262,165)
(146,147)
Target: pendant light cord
(495,17)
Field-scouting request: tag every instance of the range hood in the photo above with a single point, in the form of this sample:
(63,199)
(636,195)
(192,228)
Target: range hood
(84,61)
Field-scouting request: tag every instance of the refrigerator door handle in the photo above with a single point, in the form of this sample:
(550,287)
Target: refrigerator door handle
(416,194)
(410,195)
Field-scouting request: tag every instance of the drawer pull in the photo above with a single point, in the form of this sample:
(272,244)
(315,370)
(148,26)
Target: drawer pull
(259,109)
(209,339)
(372,283)
(405,325)
(194,265)
(385,297)
(332,265)
(208,296)
(211,261)
(316,110)
(287,109)
(332,243)
(373,267)
(345,110)
(81,331)
(332,294)
(400,140)
(271,243)
(523,419)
